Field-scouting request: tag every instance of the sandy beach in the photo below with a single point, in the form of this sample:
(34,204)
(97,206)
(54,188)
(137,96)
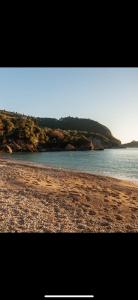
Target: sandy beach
(34,198)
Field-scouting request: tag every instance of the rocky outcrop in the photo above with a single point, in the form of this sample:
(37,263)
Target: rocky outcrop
(86,147)
(97,144)
(22,147)
(70,147)
(16,147)
(30,148)
(6,148)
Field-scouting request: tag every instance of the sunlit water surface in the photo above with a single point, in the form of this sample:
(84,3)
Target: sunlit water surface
(119,163)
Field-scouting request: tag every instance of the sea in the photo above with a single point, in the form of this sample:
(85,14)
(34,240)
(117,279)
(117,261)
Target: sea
(117,163)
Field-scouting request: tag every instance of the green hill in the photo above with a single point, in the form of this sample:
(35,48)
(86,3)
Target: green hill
(70,123)
(19,132)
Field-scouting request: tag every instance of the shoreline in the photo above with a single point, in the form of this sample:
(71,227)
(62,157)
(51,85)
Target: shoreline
(39,198)
(46,166)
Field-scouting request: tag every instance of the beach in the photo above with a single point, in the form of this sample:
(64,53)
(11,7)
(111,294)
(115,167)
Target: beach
(35,198)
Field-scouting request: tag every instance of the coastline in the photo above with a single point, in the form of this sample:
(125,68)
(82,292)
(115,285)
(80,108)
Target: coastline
(49,166)
(39,198)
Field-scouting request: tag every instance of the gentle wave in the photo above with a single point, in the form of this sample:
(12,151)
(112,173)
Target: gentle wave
(118,163)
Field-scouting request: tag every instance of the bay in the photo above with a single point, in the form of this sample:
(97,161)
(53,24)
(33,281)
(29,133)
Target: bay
(118,163)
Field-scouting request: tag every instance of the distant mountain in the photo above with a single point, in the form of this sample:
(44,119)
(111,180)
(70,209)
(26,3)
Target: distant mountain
(19,132)
(133,144)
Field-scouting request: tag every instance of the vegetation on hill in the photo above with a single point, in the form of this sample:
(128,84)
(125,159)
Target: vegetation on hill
(88,127)
(25,133)
(70,123)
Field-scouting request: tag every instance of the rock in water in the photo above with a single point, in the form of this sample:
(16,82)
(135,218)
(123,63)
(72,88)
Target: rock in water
(70,147)
(6,148)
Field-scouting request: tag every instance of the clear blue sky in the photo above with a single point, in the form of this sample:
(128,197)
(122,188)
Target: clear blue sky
(107,95)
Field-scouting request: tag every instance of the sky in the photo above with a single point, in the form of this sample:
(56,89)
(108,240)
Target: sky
(106,95)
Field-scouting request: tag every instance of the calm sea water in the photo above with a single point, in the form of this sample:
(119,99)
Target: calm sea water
(119,163)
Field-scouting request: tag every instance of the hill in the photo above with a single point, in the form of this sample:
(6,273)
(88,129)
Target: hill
(88,126)
(70,123)
(133,144)
(19,132)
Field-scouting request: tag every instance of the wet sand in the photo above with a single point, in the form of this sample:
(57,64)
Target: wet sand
(34,198)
